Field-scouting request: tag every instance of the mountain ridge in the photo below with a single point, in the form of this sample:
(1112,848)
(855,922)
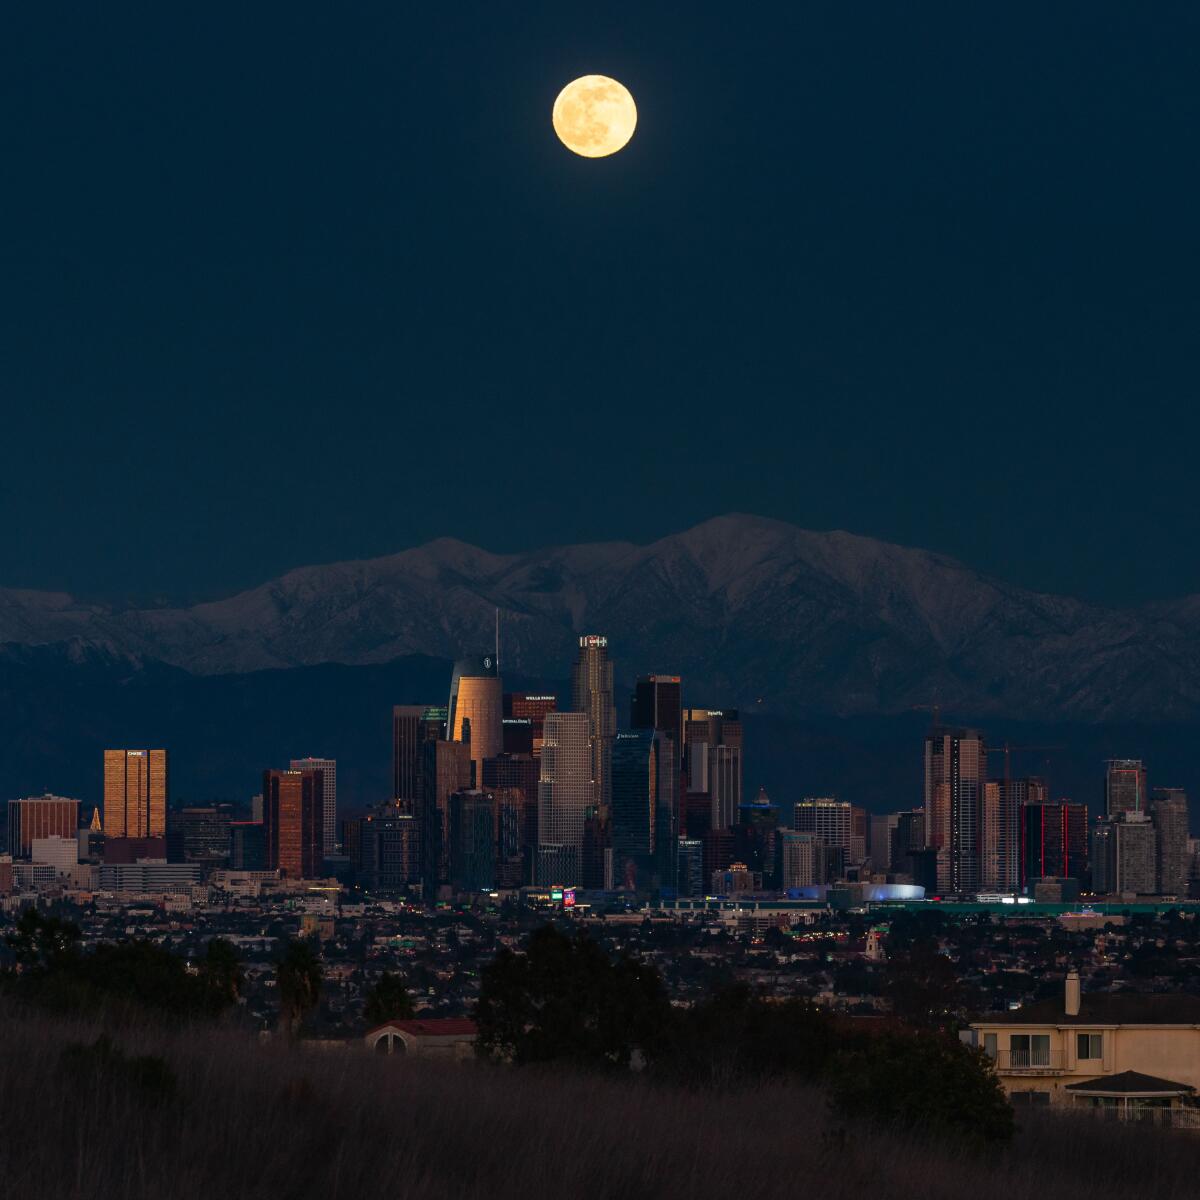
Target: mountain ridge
(751,610)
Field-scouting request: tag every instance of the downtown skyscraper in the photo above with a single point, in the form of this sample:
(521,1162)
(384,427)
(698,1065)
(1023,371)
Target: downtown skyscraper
(955,774)
(328,769)
(592,693)
(135,793)
(564,797)
(477,704)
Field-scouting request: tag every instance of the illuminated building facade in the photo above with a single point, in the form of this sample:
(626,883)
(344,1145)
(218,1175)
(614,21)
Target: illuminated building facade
(476,696)
(294,822)
(592,693)
(328,768)
(1054,841)
(1124,786)
(564,797)
(40,817)
(955,773)
(135,793)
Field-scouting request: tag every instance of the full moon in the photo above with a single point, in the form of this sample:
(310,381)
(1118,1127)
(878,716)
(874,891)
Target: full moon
(594,116)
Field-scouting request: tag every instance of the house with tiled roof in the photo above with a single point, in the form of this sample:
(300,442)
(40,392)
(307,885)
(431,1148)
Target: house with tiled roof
(450,1038)
(1130,1054)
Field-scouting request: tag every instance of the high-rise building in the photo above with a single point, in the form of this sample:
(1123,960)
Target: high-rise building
(596,872)
(447,769)
(1124,786)
(1054,841)
(412,726)
(200,833)
(135,793)
(532,707)
(473,840)
(635,825)
(858,834)
(564,797)
(689,858)
(477,696)
(1169,813)
(247,846)
(799,859)
(1125,855)
(40,817)
(955,772)
(881,828)
(713,760)
(907,840)
(328,767)
(388,854)
(592,693)
(828,818)
(1002,835)
(657,703)
(294,822)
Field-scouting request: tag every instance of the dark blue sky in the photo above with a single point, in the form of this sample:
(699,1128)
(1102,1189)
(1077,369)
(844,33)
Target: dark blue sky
(285,284)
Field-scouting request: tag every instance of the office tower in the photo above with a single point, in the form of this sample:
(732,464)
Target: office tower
(294,822)
(516,735)
(955,770)
(1124,786)
(689,857)
(1054,841)
(1001,832)
(200,833)
(880,829)
(1169,813)
(858,834)
(388,848)
(477,696)
(473,841)
(564,797)
(634,805)
(657,704)
(62,853)
(799,860)
(592,693)
(908,839)
(1125,855)
(516,775)
(532,707)
(755,833)
(509,805)
(830,819)
(447,769)
(696,814)
(247,846)
(40,817)
(135,793)
(596,871)
(713,759)
(329,796)
(412,726)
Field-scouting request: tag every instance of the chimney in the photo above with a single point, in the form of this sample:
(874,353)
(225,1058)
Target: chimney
(1071,997)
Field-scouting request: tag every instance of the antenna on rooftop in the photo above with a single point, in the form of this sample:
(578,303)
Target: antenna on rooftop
(497,639)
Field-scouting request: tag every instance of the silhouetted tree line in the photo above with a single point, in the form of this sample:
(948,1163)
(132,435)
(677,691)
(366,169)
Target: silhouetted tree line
(50,969)
(564,1000)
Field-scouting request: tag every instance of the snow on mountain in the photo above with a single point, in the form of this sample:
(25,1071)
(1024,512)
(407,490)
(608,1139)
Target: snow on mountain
(751,611)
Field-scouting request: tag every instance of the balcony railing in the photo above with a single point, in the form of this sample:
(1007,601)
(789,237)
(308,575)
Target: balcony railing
(1034,1062)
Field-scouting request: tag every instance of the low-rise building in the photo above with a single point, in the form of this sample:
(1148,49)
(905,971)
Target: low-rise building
(1127,1051)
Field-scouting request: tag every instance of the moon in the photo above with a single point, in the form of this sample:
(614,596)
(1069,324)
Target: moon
(594,116)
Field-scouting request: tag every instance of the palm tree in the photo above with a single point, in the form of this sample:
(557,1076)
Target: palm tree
(298,977)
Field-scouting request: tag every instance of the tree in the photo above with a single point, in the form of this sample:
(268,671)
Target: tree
(43,943)
(924,987)
(927,1083)
(563,999)
(298,977)
(388,1000)
(222,972)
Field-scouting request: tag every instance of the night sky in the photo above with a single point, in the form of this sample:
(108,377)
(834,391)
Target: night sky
(296,283)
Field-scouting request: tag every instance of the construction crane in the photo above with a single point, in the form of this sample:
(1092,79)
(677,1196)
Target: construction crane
(1007,750)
